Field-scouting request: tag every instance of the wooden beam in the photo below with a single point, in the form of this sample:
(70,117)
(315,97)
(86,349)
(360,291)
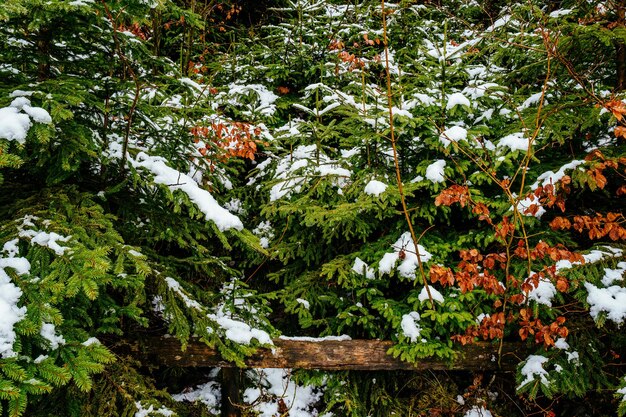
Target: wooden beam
(329,355)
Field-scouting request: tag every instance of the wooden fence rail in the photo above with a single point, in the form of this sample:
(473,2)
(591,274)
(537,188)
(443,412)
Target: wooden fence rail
(331,355)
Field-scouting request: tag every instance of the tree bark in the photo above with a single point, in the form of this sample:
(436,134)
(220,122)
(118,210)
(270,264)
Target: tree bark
(328,355)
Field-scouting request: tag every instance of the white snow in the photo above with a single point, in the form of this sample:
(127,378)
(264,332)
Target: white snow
(264,103)
(10,295)
(550,177)
(361,268)
(409,264)
(612,275)
(433,292)
(611,300)
(276,384)
(304,303)
(10,248)
(434,171)
(456,99)
(176,180)
(265,232)
(543,293)
(534,367)
(175,286)
(533,99)
(561,344)
(477,411)
(48,332)
(14,125)
(515,142)
(91,341)
(453,134)
(45,239)
(209,394)
(293,171)
(560,12)
(410,327)
(240,332)
(145,412)
(375,188)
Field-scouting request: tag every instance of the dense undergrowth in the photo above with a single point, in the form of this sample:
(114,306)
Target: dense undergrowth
(432,174)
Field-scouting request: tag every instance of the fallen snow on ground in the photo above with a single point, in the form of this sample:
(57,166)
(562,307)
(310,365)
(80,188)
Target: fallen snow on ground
(478,412)
(274,385)
(209,394)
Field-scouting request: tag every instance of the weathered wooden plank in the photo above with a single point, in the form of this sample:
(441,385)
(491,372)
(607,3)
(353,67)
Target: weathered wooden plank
(231,381)
(329,355)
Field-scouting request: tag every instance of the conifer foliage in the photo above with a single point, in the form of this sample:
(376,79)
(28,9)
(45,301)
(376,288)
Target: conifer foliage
(432,174)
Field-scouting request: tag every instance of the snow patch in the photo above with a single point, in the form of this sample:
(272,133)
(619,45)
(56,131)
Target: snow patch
(176,180)
(10,295)
(375,188)
(409,261)
(434,171)
(534,367)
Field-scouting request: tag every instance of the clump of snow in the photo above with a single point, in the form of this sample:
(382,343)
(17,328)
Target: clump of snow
(10,295)
(593,256)
(91,341)
(209,394)
(612,275)
(423,296)
(235,206)
(434,171)
(452,134)
(10,248)
(265,232)
(456,99)
(276,384)
(477,411)
(515,142)
(375,188)
(543,293)
(361,268)
(561,344)
(304,303)
(175,286)
(48,332)
(264,103)
(304,162)
(410,326)
(14,124)
(573,357)
(409,264)
(550,177)
(45,239)
(176,180)
(240,332)
(532,368)
(560,12)
(533,99)
(150,411)
(611,300)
